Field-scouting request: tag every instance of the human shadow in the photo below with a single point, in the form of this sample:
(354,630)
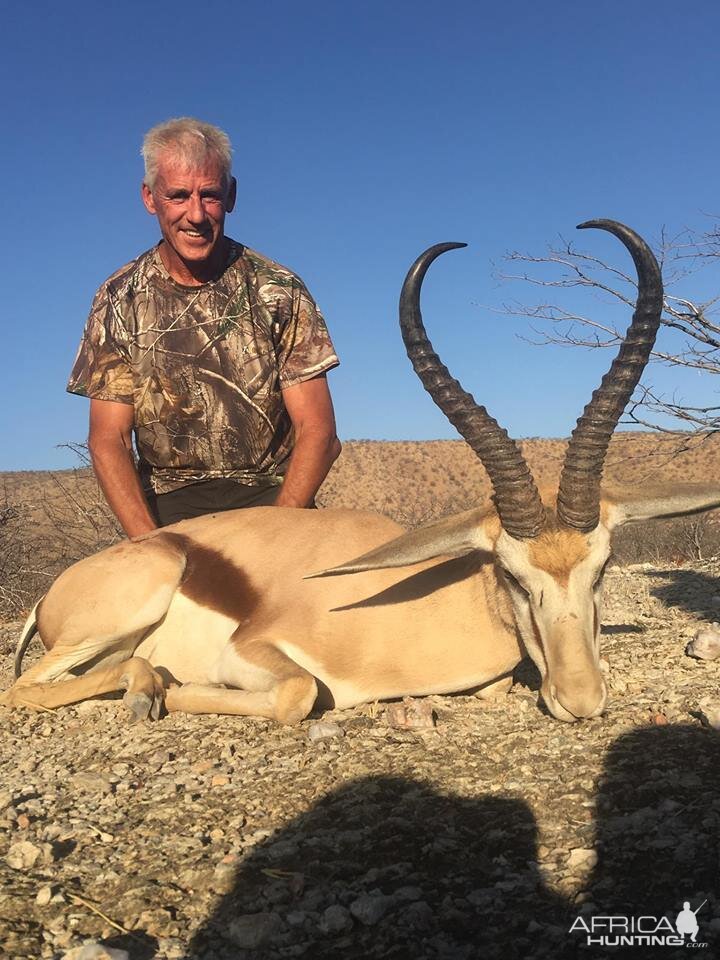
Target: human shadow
(389,867)
(657,838)
(689,590)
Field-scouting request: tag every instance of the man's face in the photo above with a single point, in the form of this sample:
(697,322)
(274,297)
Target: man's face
(190,204)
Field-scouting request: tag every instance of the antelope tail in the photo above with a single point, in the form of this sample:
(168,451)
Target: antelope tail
(28,632)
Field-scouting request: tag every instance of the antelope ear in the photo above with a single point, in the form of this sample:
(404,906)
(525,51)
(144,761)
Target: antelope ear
(451,537)
(669,500)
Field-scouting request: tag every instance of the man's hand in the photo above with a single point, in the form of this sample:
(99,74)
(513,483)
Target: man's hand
(110,444)
(316,444)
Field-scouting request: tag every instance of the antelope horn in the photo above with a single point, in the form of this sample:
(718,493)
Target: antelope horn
(578,503)
(516,496)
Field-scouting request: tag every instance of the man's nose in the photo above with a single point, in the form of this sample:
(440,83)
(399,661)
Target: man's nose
(195,209)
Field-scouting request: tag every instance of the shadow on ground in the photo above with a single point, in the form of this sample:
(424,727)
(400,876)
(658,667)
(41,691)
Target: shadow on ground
(611,629)
(690,590)
(389,867)
(390,864)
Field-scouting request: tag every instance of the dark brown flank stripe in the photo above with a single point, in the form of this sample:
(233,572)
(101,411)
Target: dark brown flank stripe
(214,581)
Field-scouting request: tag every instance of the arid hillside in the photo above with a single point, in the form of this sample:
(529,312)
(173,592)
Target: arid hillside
(49,519)
(414,481)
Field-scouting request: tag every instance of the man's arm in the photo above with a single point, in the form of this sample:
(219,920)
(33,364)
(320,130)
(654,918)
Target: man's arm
(316,444)
(110,444)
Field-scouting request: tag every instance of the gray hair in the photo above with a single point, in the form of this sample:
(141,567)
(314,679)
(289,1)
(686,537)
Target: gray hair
(189,141)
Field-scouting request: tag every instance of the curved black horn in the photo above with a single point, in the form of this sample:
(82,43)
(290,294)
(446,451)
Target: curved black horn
(516,496)
(578,503)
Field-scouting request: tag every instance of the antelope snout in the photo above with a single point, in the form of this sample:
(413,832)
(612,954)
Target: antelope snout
(570,700)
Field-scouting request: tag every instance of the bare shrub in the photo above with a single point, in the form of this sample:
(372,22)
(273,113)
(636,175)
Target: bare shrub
(691,325)
(415,513)
(47,522)
(14,557)
(678,541)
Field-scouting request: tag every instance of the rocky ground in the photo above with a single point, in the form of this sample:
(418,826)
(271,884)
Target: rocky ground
(210,838)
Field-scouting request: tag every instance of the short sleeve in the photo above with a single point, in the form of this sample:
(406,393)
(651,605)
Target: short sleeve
(102,370)
(304,348)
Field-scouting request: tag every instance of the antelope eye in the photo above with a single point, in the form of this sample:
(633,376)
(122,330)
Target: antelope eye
(514,582)
(603,570)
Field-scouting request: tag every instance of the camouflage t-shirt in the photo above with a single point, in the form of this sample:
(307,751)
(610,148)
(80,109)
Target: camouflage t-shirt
(204,366)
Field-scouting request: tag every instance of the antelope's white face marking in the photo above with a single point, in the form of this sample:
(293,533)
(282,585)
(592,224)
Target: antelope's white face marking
(555,584)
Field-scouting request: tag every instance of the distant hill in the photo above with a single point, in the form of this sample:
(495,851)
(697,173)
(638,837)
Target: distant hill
(49,519)
(416,480)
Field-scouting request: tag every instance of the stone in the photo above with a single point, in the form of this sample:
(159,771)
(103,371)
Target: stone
(583,858)
(296,918)
(335,920)
(408,894)
(324,730)
(709,713)
(23,855)
(411,714)
(705,645)
(369,909)
(86,707)
(44,896)
(89,782)
(253,930)
(223,878)
(96,951)
(171,948)
(419,915)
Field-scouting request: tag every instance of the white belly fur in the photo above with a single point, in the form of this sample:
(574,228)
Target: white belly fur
(189,641)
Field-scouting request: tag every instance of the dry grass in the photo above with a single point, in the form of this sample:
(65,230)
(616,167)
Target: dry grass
(50,519)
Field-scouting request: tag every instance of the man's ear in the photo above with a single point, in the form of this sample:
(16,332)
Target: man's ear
(147,199)
(232,196)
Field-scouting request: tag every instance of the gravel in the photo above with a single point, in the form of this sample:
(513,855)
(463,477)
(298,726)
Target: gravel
(483,831)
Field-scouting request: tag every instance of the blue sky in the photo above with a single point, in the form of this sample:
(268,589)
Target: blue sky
(363,133)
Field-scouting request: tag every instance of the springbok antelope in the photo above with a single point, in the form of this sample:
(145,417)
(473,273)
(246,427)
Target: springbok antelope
(219,614)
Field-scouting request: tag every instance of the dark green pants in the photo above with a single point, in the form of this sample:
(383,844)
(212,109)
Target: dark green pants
(208,496)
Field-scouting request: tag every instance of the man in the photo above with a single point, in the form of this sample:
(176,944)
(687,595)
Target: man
(211,354)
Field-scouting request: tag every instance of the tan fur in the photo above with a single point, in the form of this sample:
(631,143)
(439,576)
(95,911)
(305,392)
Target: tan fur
(558,552)
(224,599)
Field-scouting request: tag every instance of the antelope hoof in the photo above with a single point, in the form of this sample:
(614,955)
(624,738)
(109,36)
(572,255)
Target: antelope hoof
(139,705)
(143,706)
(145,690)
